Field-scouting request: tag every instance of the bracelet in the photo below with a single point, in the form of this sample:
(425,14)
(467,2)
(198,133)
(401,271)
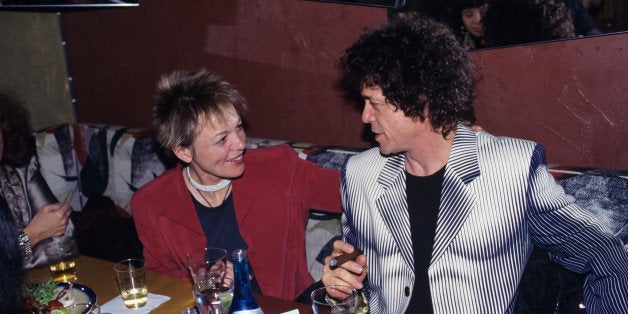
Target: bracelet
(24,242)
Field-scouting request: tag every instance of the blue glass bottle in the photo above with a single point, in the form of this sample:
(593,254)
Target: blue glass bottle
(243,299)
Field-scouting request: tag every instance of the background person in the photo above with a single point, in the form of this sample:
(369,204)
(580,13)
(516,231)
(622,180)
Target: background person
(12,274)
(36,210)
(447,218)
(511,22)
(222,195)
(466,21)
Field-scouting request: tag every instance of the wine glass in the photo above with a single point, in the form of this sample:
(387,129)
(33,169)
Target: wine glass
(335,299)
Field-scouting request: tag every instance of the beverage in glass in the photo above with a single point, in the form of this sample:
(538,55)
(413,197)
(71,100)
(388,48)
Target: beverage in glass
(207,262)
(213,295)
(132,283)
(335,299)
(62,254)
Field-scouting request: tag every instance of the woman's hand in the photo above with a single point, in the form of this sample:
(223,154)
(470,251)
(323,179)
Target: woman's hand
(51,220)
(350,273)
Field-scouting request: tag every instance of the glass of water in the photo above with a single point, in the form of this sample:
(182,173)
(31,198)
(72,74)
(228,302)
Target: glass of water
(212,294)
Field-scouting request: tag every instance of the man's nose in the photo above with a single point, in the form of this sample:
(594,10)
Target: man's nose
(367,114)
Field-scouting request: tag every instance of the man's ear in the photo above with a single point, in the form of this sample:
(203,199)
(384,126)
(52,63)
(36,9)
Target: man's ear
(183,153)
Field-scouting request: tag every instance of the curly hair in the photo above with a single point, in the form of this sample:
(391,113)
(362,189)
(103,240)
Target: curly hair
(186,99)
(416,62)
(510,22)
(15,125)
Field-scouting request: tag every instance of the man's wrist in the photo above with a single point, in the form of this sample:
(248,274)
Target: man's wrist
(24,243)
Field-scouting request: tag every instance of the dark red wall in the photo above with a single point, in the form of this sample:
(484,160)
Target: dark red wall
(281,56)
(569,96)
(279,53)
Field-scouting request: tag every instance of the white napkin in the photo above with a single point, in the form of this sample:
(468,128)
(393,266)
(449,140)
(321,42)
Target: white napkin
(116,306)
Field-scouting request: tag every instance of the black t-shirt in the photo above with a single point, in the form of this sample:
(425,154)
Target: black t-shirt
(220,225)
(423,195)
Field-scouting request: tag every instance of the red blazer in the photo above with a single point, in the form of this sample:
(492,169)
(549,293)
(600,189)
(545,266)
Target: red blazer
(272,201)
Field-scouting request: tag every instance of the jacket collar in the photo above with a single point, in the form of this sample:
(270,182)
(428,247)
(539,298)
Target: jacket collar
(185,215)
(456,200)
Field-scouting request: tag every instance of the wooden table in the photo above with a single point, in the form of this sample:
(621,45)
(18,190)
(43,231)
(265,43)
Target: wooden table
(98,275)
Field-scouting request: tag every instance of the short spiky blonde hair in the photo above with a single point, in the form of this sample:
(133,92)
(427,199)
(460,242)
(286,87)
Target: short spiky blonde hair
(186,99)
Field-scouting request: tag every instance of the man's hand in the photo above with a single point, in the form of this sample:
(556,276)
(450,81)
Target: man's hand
(476,128)
(350,273)
(51,220)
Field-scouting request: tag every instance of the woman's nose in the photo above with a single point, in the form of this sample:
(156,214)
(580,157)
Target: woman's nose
(240,142)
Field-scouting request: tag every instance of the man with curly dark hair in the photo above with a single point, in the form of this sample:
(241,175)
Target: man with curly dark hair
(511,22)
(447,217)
(36,210)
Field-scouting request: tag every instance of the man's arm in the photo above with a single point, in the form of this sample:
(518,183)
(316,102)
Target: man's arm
(576,240)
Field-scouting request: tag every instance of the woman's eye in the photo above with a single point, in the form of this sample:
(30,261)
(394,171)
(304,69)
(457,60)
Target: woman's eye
(239,127)
(221,141)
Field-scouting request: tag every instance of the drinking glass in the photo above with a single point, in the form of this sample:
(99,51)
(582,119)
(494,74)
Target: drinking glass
(213,295)
(62,254)
(83,308)
(131,280)
(208,262)
(335,299)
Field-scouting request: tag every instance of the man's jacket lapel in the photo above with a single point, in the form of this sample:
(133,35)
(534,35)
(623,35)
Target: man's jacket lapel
(457,200)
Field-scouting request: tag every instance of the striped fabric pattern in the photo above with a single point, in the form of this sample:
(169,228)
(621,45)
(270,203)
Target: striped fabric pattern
(497,202)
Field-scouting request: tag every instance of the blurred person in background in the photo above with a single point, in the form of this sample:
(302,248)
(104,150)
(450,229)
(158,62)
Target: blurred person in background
(511,22)
(466,21)
(582,22)
(38,214)
(11,272)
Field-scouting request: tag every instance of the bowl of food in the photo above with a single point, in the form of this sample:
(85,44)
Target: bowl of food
(53,297)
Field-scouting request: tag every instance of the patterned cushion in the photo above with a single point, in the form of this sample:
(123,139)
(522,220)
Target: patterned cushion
(80,160)
(55,151)
(603,192)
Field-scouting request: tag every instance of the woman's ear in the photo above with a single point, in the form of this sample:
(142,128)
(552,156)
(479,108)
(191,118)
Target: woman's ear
(183,153)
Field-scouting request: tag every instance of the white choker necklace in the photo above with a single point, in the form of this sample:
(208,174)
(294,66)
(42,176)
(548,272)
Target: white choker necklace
(207,188)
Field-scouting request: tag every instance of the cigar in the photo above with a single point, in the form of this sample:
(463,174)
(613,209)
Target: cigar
(344,257)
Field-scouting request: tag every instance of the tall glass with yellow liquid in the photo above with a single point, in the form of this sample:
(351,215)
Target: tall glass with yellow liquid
(132,282)
(62,254)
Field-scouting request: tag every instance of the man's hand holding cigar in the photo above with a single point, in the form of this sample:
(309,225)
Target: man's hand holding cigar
(345,266)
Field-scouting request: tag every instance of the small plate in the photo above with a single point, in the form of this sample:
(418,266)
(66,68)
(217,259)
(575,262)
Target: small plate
(82,294)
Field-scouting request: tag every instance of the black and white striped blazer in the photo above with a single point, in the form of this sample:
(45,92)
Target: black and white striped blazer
(497,201)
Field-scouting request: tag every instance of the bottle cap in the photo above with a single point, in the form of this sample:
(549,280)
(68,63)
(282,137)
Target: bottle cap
(239,255)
